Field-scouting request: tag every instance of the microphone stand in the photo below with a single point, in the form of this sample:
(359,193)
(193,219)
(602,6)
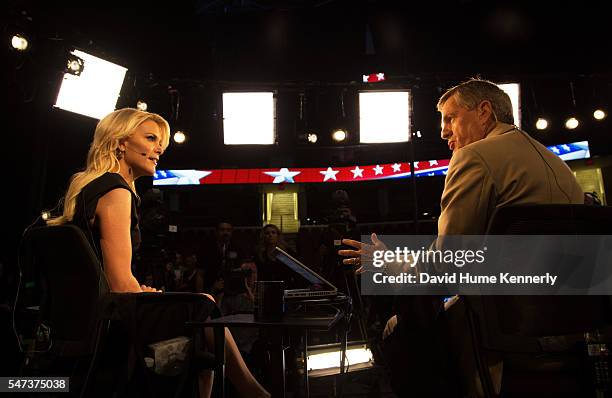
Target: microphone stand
(415,216)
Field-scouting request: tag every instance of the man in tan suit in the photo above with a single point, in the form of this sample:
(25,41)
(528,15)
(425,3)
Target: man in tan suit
(493,164)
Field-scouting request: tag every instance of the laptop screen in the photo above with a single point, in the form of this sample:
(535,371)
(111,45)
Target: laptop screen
(301,269)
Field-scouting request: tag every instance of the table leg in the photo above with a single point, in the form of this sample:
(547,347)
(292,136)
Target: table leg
(277,362)
(343,345)
(219,333)
(306,384)
(341,377)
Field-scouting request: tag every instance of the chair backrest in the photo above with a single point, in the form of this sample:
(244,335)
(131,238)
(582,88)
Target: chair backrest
(73,287)
(514,322)
(551,220)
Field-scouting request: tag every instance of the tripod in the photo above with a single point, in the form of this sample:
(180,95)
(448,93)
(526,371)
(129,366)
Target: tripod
(352,290)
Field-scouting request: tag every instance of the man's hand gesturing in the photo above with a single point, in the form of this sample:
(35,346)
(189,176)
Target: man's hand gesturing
(363,254)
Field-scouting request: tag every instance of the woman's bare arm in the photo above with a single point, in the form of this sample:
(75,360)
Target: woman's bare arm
(113,215)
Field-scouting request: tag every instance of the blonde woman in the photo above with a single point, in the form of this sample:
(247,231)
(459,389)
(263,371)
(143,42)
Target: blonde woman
(102,201)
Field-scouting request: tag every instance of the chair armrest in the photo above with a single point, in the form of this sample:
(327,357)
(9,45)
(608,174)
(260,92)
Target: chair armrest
(130,303)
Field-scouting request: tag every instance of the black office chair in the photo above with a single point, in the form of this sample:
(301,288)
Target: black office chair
(77,310)
(524,331)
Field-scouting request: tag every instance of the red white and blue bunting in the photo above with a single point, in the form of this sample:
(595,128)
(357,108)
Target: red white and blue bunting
(330,173)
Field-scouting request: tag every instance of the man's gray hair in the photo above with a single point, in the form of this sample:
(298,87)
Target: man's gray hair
(472,92)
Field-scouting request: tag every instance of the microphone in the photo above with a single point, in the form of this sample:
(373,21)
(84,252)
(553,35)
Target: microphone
(140,153)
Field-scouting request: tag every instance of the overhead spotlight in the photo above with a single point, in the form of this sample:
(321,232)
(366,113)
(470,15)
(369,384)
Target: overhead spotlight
(74,65)
(571,123)
(541,124)
(339,135)
(310,138)
(19,42)
(599,114)
(142,106)
(45,215)
(179,137)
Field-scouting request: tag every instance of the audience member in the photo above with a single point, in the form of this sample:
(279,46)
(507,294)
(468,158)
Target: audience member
(169,277)
(268,267)
(191,279)
(240,299)
(217,257)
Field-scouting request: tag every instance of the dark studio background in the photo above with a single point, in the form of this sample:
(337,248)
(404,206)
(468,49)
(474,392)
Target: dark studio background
(194,50)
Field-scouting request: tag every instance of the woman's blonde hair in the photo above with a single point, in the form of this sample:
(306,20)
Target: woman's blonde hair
(104,155)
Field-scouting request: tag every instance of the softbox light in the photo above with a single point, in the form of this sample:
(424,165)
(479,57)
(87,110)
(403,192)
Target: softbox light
(95,91)
(514,92)
(248,118)
(384,116)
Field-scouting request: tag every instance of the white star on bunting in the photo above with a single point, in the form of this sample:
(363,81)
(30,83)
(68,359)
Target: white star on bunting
(396,167)
(283,175)
(357,172)
(329,174)
(184,177)
(433,162)
(378,170)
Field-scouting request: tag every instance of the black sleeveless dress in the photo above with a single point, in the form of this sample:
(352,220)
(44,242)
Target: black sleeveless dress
(150,319)
(87,202)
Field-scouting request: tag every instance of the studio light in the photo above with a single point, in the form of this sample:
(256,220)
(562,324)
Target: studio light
(19,42)
(308,138)
(384,116)
(179,137)
(339,135)
(541,124)
(249,118)
(571,123)
(74,65)
(329,358)
(599,114)
(141,105)
(95,91)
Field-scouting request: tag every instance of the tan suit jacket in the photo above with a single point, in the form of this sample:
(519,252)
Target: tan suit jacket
(507,167)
